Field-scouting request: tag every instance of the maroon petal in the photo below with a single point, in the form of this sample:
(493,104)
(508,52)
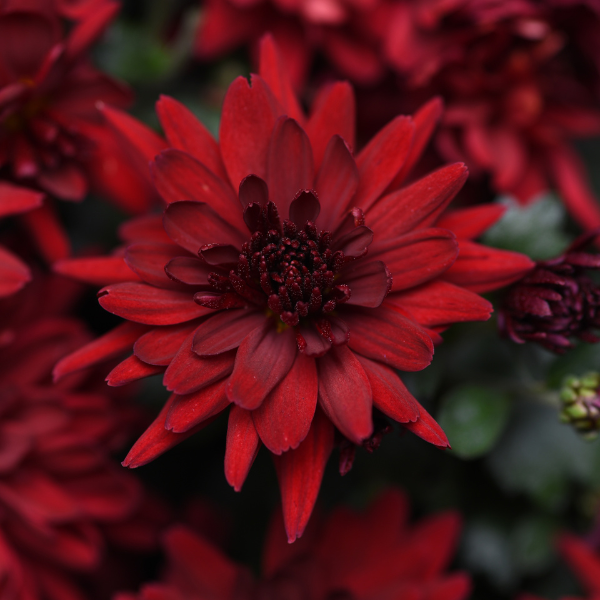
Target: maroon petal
(179,176)
(381,159)
(390,395)
(67,182)
(189,372)
(189,270)
(108,346)
(345,393)
(160,345)
(253,190)
(439,303)
(417,205)
(471,222)
(262,361)
(149,261)
(96,270)
(48,232)
(15,199)
(333,114)
(190,410)
(310,341)
(283,419)
(144,303)
(248,117)
(156,440)
(416,257)
(289,164)
(426,428)
(388,337)
(192,225)
(14,273)
(241,447)
(369,282)
(185,132)
(220,255)
(354,243)
(131,369)
(305,207)
(300,473)
(226,331)
(336,182)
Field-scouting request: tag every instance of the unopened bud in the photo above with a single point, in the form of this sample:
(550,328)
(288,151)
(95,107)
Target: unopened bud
(580,399)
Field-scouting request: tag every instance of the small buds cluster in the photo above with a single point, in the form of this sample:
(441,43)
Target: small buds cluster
(581,404)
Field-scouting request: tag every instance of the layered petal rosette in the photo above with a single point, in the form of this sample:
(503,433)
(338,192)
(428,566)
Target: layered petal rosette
(288,279)
(372,555)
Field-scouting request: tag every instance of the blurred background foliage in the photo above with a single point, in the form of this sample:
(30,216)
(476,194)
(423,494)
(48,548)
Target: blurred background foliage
(515,472)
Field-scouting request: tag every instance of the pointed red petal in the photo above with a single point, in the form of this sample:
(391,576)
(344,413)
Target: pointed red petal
(242,447)
(333,113)
(248,117)
(390,395)
(160,345)
(144,303)
(300,473)
(289,164)
(262,361)
(185,132)
(389,337)
(15,199)
(96,270)
(345,393)
(191,409)
(427,429)
(283,419)
(89,29)
(471,222)
(14,273)
(110,345)
(131,369)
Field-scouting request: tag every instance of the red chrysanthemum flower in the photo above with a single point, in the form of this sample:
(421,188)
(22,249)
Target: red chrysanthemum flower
(368,556)
(61,496)
(289,279)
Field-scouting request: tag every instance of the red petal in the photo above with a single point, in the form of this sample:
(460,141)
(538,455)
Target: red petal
(149,261)
(144,303)
(242,447)
(283,419)
(416,257)
(456,586)
(582,560)
(273,70)
(482,269)
(336,182)
(300,473)
(381,159)
(189,410)
(417,205)
(333,114)
(289,164)
(262,361)
(369,282)
(148,228)
(88,30)
(311,342)
(14,274)
(195,224)
(226,331)
(160,345)
(471,222)
(131,369)
(354,243)
(386,336)
(47,232)
(305,207)
(253,190)
(15,199)
(67,182)
(96,270)
(439,303)
(427,429)
(189,270)
(185,132)
(110,345)
(345,394)
(189,372)
(156,440)
(248,117)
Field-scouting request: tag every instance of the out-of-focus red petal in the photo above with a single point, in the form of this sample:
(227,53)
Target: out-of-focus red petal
(381,159)
(148,228)
(262,361)
(242,446)
(185,132)
(283,419)
(88,30)
(470,223)
(248,117)
(131,369)
(66,181)
(389,337)
(300,473)
(148,261)
(191,409)
(455,586)
(47,232)
(160,345)
(427,429)
(370,282)
(225,331)
(14,273)
(290,166)
(96,270)
(15,199)
(108,346)
(582,560)
(333,113)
